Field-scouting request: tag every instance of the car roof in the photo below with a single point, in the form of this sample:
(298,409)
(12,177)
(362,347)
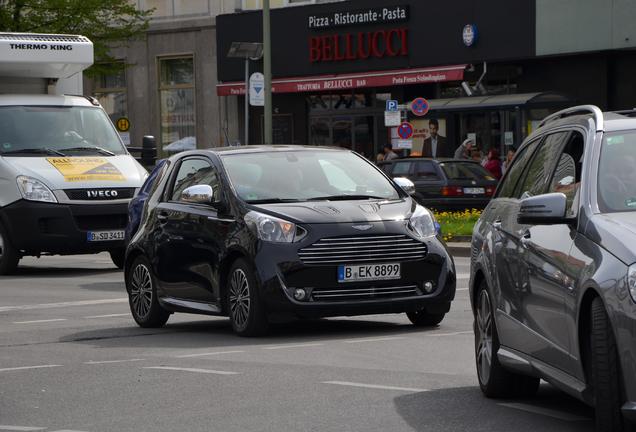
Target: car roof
(612,121)
(260,149)
(438,160)
(44,100)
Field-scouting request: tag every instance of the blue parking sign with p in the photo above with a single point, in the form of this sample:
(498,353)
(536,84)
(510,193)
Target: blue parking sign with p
(392,105)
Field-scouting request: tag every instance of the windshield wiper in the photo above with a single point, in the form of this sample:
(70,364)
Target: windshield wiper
(44,150)
(272,201)
(344,198)
(99,149)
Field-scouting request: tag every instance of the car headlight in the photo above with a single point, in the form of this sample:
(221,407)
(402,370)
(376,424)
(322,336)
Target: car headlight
(423,223)
(631,281)
(34,190)
(271,229)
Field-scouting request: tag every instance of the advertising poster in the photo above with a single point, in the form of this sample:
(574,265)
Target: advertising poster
(422,143)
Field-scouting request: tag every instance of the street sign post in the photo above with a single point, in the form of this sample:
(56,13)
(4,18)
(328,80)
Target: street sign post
(392,105)
(257,89)
(392,118)
(420,106)
(405,130)
(404,144)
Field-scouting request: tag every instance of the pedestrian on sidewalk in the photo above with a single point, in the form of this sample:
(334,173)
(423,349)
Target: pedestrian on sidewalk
(464,150)
(493,164)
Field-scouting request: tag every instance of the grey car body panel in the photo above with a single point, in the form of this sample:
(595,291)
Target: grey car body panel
(559,267)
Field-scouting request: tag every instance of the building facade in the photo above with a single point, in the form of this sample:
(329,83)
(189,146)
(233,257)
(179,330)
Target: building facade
(489,70)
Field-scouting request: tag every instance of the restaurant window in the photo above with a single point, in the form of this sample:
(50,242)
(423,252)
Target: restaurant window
(176,89)
(110,91)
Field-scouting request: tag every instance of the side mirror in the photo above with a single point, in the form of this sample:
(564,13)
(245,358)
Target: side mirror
(198,194)
(407,185)
(546,209)
(148,150)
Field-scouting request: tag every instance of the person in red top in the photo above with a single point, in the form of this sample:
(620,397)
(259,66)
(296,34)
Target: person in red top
(493,164)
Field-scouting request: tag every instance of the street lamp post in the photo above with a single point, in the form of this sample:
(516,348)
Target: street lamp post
(267,72)
(248,51)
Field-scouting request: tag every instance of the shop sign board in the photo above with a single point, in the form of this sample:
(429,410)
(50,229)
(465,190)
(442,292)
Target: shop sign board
(378,15)
(392,118)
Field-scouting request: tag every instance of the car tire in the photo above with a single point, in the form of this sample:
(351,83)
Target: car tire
(244,306)
(118,256)
(422,318)
(142,295)
(494,380)
(605,371)
(9,256)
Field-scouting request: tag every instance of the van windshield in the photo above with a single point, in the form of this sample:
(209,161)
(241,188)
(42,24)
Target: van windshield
(57,130)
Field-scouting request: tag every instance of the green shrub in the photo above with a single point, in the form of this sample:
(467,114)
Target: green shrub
(455,224)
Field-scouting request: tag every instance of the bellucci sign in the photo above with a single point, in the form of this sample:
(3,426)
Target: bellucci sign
(361,45)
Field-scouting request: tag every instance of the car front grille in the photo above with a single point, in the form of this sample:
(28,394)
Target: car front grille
(99,194)
(364,293)
(363,249)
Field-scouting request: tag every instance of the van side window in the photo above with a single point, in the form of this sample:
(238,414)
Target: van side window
(513,173)
(538,173)
(567,175)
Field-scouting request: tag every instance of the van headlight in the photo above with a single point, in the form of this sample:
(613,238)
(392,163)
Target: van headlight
(631,281)
(423,223)
(34,190)
(271,229)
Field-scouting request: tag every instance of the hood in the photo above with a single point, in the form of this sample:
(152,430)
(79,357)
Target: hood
(615,232)
(358,211)
(80,172)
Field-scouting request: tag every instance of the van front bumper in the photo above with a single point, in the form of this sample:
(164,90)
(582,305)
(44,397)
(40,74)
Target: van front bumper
(35,227)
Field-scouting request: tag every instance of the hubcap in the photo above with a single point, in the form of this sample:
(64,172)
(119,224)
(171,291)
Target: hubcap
(141,291)
(484,337)
(239,298)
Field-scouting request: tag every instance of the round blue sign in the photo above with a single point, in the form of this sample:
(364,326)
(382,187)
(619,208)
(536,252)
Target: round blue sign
(469,34)
(420,106)
(405,130)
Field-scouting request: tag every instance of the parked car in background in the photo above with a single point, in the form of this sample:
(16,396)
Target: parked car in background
(445,184)
(553,267)
(136,205)
(292,231)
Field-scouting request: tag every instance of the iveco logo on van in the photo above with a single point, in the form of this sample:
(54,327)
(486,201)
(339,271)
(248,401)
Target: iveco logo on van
(102,193)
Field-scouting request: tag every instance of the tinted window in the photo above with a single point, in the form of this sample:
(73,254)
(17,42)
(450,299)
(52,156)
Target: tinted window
(401,169)
(304,175)
(514,172)
(616,173)
(425,170)
(567,174)
(194,172)
(465,171)
(535,181)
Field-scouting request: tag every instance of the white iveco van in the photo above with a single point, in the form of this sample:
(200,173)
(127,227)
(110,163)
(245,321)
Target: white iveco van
(65,176)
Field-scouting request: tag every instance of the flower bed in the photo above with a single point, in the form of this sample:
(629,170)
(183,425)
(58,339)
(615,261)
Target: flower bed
(457,224)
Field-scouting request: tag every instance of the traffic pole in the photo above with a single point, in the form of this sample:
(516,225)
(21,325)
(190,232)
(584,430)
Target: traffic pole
(267,72)
(247,100)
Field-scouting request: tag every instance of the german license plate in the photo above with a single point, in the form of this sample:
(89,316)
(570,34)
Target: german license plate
(474,191)
(97,236)
(368,272)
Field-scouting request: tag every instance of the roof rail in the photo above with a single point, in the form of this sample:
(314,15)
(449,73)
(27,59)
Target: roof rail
(581,109)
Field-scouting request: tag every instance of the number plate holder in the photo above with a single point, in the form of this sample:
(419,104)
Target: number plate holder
(99,236)
(369,272)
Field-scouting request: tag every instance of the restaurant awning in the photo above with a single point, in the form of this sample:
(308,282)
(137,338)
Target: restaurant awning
(321,83)
(498,101)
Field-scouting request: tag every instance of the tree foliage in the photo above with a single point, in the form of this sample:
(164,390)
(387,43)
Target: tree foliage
(107,23)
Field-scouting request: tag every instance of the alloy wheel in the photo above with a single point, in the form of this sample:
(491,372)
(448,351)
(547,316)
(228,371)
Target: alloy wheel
(484,329)
(141,290)
(239,297)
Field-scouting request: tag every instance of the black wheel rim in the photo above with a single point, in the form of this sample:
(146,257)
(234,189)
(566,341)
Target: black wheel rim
(484,337)
(239,297)
(141,291)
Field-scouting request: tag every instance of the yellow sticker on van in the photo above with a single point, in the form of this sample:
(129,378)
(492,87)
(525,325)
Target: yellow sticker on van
(80,169)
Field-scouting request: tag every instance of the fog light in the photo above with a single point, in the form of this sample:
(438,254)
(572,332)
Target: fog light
(428,287)
(299,294)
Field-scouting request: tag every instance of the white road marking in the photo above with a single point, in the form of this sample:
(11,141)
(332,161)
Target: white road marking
(545,412)
(204,371)
(28,367)
(108,316)
(450,334)
(20,428)
(374,386)
(277,347)
(39,321)
(208,354)
(112,361)
(380,339)
(461,289)
(63,304)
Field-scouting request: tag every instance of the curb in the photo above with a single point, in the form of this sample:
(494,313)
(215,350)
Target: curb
(459,249)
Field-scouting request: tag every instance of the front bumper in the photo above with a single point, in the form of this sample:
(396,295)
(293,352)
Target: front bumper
(36,228)
(281,272)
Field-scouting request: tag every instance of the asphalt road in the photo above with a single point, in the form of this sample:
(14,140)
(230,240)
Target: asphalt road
(72,359)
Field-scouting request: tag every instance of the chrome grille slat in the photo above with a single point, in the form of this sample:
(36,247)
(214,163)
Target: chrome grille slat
(363,249)
(369,293)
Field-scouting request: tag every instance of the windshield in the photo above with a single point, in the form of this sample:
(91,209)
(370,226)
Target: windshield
(57,130)
(465,171)
(305,175)
(616,173)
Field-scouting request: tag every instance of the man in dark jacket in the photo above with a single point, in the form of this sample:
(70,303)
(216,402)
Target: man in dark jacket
(435,146)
